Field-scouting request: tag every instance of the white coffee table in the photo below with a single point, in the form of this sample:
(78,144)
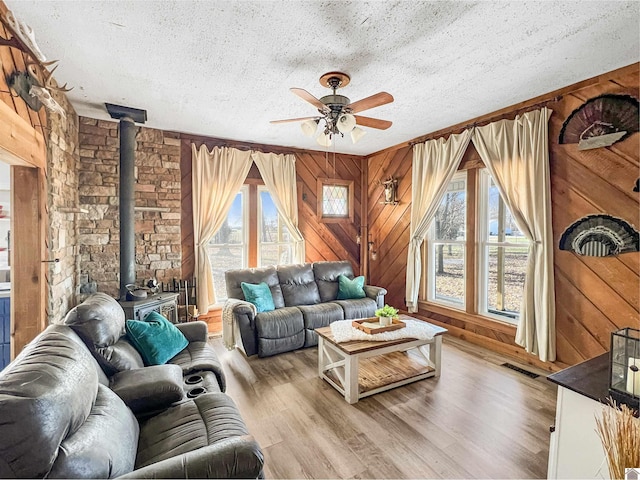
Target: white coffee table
(361,368)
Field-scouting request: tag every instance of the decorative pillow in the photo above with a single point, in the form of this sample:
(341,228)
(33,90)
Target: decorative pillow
(348,289)
(156,338)
(259,295)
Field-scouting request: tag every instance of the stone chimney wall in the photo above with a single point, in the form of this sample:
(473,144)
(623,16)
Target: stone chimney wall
(158,239)
(62,200)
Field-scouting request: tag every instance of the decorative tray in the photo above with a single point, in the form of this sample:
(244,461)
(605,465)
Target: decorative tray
(372,325)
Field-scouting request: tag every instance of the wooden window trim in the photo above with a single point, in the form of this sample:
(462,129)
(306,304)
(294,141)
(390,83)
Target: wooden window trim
(476,319)
(351,199)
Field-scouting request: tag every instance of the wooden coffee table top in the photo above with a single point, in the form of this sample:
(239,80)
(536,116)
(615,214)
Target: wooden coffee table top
(358,346)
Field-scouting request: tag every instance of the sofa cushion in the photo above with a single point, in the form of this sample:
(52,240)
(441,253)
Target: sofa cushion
(100,322)
(320,315)
(358,308)
(348,289)
(268,275)
(326,275)
(105,444)
(273,346)
(156,338)
(190,425)
(99,318)
(46,394)
(298,285)
(316,316)
(259,295)
(199,356)
(279,323)
(279,331)
(69,333)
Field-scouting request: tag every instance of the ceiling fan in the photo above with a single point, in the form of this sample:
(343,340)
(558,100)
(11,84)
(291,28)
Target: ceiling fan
(337,111)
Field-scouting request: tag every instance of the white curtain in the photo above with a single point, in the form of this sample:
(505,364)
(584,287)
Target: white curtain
(516,153)
(434,164)
(216,178)
(279,175)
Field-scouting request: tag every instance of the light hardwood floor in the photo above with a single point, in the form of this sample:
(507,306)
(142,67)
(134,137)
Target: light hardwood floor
(478,420)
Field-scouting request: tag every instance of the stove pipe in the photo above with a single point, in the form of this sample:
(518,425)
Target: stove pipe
(127,116)
(127,204)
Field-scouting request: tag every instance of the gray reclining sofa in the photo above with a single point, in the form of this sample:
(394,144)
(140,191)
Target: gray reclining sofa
(78,402)
(305,297)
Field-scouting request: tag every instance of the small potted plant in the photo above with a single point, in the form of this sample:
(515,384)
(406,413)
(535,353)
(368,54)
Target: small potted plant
(386,315)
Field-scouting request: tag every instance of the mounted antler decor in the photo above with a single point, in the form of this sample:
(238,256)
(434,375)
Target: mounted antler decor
(33,85)
(390,191)
(601,121)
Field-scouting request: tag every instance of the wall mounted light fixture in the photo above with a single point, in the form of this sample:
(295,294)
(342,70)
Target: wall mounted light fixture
(372,253)
(390,191)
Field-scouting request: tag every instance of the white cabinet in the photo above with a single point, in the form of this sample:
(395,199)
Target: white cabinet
(575,450)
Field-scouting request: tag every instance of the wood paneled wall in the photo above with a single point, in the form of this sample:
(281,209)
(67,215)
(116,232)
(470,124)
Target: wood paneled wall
(22,144)
(593,296)
(11,61)
(324,241)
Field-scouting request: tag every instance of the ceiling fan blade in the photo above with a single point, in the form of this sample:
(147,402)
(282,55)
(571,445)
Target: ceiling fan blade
(376,100)
(303,94)
(373,122)
(301,119)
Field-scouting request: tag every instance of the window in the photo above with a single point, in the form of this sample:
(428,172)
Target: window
(503,257)
(252,235)
(447,239)
(335,200)
(228,249)
(274,245)
(480,271)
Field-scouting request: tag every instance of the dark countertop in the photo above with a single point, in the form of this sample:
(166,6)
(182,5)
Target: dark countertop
(591,379)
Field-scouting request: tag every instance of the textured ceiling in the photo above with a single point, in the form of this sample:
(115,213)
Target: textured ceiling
(224,68)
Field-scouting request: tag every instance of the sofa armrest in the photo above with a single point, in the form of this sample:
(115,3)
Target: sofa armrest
(235,457)
(377,293)
(194,331)
(244,315)
(149,388)
(242,307)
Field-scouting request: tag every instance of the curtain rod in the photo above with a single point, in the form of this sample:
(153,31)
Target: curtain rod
(490,119)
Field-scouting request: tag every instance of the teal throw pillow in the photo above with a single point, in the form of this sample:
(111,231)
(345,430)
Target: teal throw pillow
(348,289)
(156,338)
(259,295)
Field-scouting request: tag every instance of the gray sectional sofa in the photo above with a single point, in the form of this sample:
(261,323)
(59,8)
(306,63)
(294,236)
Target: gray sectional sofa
(305,298)
(78,402)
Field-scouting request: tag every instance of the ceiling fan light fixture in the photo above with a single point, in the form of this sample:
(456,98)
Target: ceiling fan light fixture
(309,127)
(324,139)
(357,133)
(346,123)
